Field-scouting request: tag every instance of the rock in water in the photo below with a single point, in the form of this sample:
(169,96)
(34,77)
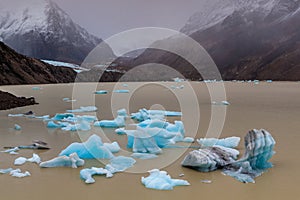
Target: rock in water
(209,159)
(259,146)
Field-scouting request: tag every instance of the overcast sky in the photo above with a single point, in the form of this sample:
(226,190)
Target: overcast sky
(104,18)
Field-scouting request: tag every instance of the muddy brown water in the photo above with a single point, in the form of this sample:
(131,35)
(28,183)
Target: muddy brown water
(273,106)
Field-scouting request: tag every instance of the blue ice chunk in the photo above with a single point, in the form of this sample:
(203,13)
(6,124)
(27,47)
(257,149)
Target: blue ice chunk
(52,124)
(18,127)
(91,149)
(5,171)
(113,147)
(117,164)
(34,159)
(269,81)
(36,88)
(144,114)
(121,91)
(122,112)
(101,92)
(117,122)
(120,131)
(79,126)
(160,180)
(230,142)
(144,156)
(61,116)
(64,161)
(188,140)
(84,109)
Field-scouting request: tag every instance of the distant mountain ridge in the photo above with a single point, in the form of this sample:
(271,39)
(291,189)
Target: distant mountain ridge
(40,29)
(247,39)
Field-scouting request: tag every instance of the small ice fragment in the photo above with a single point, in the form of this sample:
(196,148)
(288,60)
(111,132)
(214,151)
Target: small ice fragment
(269,81)
(121,91)
(18,127)
(64,161)
(84,109)
(15,115)
(181,175)
(160,180)
(188,140)
(52,124)
(17,173)
(225,103)
(206,181)
(20,161)
(68,100)
(12,150)
(36,88)
(125,85)
(34,159)
(143,156)
(120,131)
(101,92)
(5,171)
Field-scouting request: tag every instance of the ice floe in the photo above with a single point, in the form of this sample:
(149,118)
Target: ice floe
(19,174)
(230,142)
(92,148)
(160,180)
(64,161)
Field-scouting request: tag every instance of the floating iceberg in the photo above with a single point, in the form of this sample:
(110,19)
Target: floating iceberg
(208,159)
(92,148)
(18,127)
(259,146)
(84,109)
(101,92)
(62,116)
(145,114)
(68,100)
(36,88)
(79,126)
(117,164)
(18,173)
(143,156)
(160,180)
(6,171)
(121,91)
(119,121)
(230,142)
(64,161)
(120,131)
(12,151)
(34,159)
(225,103)
(188,140)
(113,147)
(52,124)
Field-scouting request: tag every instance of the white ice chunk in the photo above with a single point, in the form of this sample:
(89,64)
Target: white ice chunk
(17,173)
(230,142)
(64,161)
(84,109)
(188,140)
(20,161)
(18,127)
(160,180)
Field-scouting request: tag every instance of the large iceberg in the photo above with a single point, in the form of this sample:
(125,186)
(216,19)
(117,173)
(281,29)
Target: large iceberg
(64,161)
(151,135)
(160,180)
(117,164)
(92,148)
(259,146)
(230,142)
(119,121)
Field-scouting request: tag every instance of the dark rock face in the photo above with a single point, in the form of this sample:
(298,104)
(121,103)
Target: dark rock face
(9,101)
(45,31)
(255,39)
(18,69)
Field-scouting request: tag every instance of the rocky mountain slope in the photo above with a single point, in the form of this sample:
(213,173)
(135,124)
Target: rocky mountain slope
(40,29)
(247,39)
(18,69)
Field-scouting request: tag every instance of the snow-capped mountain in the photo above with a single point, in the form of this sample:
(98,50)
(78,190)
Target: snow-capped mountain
(40,29)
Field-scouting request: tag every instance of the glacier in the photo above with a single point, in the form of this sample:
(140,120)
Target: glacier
(230,142)
(91,149)
(64,161)
(117,164)
(160,180)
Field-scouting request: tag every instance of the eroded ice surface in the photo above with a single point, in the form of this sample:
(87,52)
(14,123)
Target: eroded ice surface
(92,148)
(160,180)
(64,161)
(230,142)
(259,146)
(117,164)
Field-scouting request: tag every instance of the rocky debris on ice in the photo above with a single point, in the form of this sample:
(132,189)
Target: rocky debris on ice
(230,142)
(117,164)
(91,149)
(160,180)
(64,161)
(34,159)
(259,146)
